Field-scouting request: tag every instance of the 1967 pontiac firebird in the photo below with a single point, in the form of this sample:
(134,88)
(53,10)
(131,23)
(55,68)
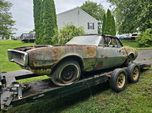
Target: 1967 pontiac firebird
(64,64)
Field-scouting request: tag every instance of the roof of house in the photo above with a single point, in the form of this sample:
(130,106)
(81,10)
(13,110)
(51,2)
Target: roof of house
(76,9)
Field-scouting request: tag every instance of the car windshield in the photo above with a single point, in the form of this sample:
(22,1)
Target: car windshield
(85,40)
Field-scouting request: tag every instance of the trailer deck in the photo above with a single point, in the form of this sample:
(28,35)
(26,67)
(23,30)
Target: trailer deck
(14,93)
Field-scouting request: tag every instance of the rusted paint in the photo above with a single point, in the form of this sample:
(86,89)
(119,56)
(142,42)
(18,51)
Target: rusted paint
(41,71)
(47,56)
(41,59)
(130,50)
(99,65)
(90,52)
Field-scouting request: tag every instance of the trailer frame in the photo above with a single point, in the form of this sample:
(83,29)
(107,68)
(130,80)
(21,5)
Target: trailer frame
(13,93)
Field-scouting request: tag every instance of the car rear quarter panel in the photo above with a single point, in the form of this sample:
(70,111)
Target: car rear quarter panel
(43,59)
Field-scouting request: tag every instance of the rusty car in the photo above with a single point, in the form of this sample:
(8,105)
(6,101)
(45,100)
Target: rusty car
(64,64)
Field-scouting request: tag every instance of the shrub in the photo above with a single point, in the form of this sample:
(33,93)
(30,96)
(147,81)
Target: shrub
(66,34)
(145,39)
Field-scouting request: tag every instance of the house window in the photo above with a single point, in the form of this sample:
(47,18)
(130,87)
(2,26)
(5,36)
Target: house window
(90,25)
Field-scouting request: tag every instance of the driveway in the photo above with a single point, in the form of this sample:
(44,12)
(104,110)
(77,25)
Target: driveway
(144,56)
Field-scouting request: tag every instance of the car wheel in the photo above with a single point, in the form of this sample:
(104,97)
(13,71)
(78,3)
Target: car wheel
(129,60)
(66,73)
(118,80)
(133,72)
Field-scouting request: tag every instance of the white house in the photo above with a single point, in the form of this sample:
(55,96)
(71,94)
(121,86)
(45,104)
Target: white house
(78,18)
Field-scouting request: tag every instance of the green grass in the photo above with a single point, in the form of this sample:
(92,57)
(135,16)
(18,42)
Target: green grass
(137,98)
(134,44)
(130,43)
(5,65)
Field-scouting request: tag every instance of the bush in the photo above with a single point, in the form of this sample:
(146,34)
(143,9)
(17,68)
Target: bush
(145,39)
(66,34)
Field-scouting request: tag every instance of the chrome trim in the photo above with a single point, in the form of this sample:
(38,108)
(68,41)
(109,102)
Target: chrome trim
(25,59)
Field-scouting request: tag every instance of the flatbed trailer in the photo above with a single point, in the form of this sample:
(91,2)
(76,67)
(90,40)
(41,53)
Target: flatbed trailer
(13,93)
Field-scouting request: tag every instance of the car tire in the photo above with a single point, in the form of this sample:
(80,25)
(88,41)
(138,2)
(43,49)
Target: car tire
(129,60)
(133,72)
(118,80)
(66,73)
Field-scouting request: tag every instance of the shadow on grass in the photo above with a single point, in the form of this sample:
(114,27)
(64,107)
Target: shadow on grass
(60,103)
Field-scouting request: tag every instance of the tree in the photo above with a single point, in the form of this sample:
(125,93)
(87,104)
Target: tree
(104,24)
(113,26)
(108,27)
(132,15)
(108,23)
(94,9)
(37,19)
(145,38)
(49,21)
(6,21)
(45,21)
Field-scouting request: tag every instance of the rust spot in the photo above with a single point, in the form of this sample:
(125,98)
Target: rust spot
(56,53)
(41,71)
(99,65)
(90,51)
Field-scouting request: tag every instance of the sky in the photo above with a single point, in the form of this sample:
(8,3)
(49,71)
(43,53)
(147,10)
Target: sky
(22,12)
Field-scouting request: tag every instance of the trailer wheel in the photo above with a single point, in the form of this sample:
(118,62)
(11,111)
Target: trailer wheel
(133,72)
(118,80)
(66,73)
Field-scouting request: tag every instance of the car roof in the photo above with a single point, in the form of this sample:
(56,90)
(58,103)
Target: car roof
(100,35)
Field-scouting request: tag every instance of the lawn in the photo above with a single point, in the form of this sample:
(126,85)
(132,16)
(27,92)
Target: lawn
(133,43)
(5,65)
(137,98)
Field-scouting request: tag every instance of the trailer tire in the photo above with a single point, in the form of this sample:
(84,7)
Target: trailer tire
(118,80)
(133,72)
(66,73)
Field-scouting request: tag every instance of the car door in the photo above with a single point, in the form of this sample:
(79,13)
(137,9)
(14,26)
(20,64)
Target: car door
(115,52)
(108,54)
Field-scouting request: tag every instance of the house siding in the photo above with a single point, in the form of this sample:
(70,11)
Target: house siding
(79,18)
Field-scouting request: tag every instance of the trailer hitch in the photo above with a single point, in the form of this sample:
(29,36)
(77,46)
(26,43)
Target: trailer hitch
(8,93)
